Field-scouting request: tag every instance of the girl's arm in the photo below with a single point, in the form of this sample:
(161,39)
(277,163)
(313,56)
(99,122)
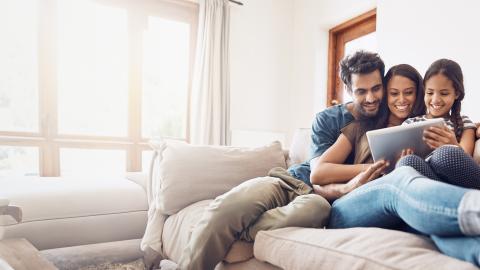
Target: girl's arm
(467,141)
(329,167)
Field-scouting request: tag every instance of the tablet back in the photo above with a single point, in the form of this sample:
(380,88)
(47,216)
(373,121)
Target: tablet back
(388,143)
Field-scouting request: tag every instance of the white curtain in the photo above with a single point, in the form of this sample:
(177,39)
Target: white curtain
(210,107)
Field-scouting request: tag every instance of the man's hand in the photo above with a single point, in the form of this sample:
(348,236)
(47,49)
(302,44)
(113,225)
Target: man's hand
(438,136)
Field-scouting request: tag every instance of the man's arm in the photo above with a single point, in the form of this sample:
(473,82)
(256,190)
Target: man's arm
(331,192)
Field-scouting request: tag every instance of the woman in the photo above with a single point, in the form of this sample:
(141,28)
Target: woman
(404,198)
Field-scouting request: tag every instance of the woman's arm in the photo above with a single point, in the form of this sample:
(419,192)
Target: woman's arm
(332,192)
(329,167)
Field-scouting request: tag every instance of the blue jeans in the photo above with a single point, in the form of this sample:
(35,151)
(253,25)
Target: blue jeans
(406,197)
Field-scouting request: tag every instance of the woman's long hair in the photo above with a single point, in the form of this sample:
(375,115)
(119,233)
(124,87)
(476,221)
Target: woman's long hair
(412,74)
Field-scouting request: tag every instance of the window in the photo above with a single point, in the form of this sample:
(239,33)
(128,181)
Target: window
(86,83)
(355,34)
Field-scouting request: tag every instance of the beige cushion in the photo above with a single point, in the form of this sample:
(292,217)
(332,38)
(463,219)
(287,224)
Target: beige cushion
(351,249)
(178,227)
(191,173)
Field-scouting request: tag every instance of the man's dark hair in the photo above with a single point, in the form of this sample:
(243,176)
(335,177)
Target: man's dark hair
(361,62)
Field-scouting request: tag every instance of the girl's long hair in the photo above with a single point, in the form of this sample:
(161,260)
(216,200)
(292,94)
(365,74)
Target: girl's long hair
(453,72)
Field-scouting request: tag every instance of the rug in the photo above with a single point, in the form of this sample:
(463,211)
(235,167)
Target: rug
(135,265)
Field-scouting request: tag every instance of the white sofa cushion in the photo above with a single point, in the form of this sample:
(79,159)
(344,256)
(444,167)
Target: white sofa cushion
(44,198)
(351,249)
(191,173)
(60,212)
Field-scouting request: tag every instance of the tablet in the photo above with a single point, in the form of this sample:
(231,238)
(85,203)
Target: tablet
(388,143)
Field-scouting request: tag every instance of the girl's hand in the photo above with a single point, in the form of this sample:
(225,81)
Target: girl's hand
(438,136)
(478,130)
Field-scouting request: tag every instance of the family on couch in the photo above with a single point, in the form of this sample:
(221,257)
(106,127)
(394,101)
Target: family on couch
(428,197)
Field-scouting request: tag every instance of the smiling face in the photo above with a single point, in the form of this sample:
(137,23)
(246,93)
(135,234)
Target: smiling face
(367,93)
(401,96)
(439,96)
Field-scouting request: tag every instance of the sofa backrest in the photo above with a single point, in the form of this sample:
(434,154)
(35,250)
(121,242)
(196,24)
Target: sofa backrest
(299,150)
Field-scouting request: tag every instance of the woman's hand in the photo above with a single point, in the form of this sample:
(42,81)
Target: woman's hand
(331,192)
(406,152)
(438,136)
(372,172)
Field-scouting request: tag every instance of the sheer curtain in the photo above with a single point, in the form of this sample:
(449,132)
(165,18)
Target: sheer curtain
(210,107)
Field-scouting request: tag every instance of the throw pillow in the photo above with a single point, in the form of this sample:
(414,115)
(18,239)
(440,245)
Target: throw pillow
(184,174)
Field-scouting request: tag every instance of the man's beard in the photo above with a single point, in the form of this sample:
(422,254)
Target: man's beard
(363,114)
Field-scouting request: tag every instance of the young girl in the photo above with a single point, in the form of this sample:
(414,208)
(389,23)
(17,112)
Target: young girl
(451,161)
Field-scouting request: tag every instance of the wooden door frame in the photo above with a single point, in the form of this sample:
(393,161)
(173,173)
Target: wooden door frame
(338,36)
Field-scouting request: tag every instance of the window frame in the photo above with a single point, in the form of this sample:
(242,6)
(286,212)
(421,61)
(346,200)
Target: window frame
(48,140)
(357,27)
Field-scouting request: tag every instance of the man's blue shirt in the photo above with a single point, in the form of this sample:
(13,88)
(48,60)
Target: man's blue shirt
(326,129)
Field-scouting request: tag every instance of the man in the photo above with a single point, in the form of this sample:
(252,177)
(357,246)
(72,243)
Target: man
(362,74)
(281,200)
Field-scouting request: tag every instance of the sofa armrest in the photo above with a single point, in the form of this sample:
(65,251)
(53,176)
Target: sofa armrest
(139,178)
(476,151)
(8,210)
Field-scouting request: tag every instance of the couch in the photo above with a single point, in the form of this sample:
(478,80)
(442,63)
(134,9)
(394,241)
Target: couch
(78,222)
(289,248)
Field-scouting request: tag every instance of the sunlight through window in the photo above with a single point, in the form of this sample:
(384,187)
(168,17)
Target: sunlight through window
(92,69)
(92,162)
(86,83)
(19,66)
(165,78)
(18,161)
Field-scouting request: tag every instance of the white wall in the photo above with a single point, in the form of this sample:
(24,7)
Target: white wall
(312,21)
(261,70)
(408,31)
(279,55)
(420,32)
